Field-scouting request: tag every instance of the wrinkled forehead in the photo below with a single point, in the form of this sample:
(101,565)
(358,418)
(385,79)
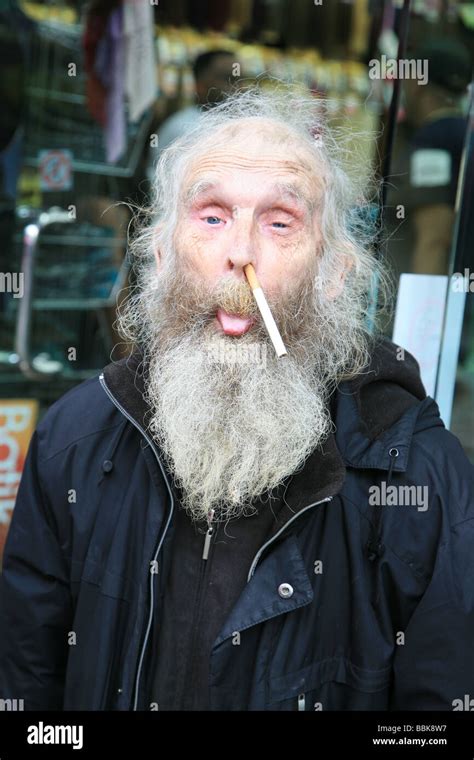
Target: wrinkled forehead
(259,148)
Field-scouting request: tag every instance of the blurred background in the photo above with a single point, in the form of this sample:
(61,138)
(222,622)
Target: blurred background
(91,92)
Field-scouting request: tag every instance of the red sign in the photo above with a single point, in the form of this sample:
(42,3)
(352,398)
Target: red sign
(17,423)
(55,168)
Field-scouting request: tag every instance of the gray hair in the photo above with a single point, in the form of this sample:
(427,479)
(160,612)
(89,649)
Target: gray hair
(346,207)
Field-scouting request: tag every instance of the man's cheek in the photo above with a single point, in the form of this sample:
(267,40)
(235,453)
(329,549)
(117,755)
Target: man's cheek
(190,247)
(289,268)
(289,253)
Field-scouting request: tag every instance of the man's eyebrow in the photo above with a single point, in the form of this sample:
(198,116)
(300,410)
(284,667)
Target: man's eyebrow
(198,188)
(295,192)
(288,189)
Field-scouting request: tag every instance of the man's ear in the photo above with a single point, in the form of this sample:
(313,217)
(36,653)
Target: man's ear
(337,284)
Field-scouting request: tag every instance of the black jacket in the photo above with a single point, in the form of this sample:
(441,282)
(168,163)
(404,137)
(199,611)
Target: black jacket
(339,604)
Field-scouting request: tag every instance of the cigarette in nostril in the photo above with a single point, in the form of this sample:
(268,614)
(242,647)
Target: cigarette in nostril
(264,308)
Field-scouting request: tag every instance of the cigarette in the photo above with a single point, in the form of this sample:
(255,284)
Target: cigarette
(264,308)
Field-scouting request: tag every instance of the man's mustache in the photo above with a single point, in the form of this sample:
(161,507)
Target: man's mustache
(192,305)
(197,301)
(236,298)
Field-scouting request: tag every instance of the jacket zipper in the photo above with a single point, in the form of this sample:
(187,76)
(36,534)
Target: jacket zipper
(283,528)
(203,573)
(209,532)
(150,616)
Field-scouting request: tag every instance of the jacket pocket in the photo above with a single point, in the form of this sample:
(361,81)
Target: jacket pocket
(331,684)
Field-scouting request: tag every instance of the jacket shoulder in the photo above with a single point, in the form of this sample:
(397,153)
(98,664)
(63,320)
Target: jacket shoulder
(440,462)
(83,411)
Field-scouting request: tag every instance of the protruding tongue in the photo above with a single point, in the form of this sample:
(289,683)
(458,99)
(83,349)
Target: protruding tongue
(232,324)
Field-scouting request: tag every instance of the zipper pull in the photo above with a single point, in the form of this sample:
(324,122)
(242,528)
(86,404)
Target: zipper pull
(209,532)
(393,454)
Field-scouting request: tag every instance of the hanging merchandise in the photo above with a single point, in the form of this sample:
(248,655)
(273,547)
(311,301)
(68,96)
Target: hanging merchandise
(110,67)
(95,91)
(140,67)
(120,64)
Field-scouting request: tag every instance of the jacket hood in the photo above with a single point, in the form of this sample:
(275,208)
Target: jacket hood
(388,387)
(381,409)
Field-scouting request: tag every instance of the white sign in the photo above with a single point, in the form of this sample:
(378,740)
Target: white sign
(430,168)
(419,318)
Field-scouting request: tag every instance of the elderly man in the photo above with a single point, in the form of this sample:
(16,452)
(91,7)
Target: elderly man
(208,526)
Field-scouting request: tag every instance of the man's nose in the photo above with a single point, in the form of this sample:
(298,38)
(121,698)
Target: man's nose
(242,247)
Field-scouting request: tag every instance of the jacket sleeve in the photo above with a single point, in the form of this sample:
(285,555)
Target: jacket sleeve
(35,602)
(434,667)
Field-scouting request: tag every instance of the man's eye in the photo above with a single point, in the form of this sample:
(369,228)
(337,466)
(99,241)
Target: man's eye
(212,219)
(279,225)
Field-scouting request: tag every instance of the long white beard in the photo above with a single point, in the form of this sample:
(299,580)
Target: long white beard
(232,430)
